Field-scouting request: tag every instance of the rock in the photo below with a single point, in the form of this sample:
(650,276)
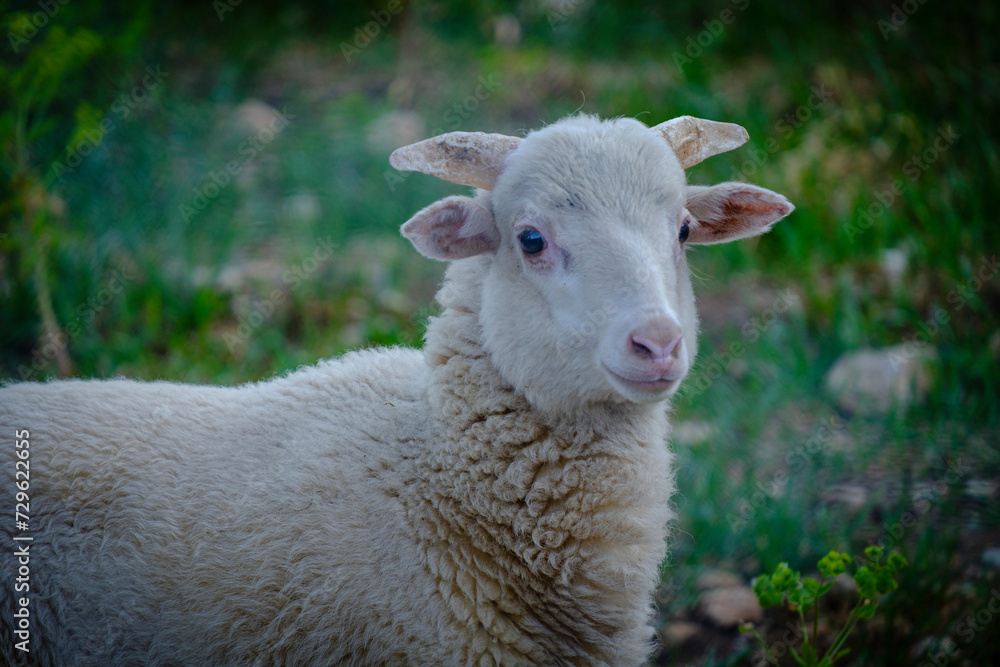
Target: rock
(991,557)
(854,496)
(676,633)
(507,31)
(719,579)
(693,432)
(894,262)
(729,606)
(873,382)
(256,116)
(303,206)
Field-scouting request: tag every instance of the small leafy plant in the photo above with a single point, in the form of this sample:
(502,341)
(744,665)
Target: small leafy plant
(800,594)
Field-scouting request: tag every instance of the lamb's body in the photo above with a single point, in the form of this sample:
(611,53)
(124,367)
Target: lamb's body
(501,497)
(230,524)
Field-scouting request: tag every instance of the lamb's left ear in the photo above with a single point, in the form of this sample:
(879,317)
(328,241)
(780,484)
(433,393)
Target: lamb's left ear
(730,211)
(452,228)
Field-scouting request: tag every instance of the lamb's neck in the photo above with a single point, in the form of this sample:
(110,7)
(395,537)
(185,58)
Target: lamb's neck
(572,506)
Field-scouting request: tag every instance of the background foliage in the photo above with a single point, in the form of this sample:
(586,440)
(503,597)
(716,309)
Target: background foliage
(128,246)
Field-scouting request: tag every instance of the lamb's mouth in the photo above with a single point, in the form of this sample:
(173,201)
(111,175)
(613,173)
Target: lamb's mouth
(659,385)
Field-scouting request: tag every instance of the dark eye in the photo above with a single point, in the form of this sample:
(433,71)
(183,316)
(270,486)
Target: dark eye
(531,241)
(685,230)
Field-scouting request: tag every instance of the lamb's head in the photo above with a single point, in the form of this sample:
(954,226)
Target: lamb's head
(587,294)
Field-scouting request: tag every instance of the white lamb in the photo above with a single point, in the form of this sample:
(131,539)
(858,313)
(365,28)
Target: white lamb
(500,497)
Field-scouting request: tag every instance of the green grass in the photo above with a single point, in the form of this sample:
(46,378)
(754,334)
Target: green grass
(246,288)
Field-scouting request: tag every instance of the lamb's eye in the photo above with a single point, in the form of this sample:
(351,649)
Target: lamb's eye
(685,230)
(531,241)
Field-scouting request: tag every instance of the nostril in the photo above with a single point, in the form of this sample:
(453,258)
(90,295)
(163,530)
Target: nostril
(661,350)
(641,347)
(674,348)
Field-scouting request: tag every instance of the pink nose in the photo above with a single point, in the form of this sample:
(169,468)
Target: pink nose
(657,350)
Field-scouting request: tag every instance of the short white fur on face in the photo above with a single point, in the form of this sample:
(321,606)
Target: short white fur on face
(607,197)
(595,303)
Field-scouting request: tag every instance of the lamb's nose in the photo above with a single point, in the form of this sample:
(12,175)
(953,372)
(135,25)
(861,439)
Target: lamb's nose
(659,349)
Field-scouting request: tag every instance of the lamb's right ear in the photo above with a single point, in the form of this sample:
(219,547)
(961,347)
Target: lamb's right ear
(453,228)
(730,211)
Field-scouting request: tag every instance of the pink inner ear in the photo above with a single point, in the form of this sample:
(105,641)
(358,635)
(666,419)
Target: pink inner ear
(731,211)
(453,228)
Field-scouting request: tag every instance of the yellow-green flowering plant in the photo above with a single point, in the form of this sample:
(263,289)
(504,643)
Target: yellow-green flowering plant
(800,594)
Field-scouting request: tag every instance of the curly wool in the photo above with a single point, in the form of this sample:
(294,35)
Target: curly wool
(389,507)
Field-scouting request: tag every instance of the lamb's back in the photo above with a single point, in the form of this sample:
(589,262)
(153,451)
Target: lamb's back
(182,511)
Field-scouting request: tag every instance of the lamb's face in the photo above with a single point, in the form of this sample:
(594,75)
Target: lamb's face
(589,297)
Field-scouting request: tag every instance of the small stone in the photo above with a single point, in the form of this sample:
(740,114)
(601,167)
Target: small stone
(854,496)
(991,557)
(873,382)
(693,432)
(676,633)
(303,206)
(730,606)
(894,262)
(719,579)
(256,115)
(507,31)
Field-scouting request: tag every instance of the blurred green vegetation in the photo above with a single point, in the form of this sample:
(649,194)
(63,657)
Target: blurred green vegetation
(160,219)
